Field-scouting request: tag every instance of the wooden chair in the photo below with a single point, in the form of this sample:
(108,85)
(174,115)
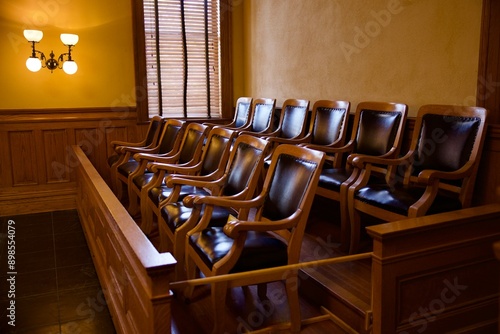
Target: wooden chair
(149,141)
(436,175)
(263,111)
(239,182)
(272,238)
(149,189)
(167,145)
(188,154)
(377,130)
(242,115)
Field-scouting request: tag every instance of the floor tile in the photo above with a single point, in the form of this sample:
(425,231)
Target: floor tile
(68,257)
(31,243)
(82,304)
(57,288)
(98,324)
(76,277)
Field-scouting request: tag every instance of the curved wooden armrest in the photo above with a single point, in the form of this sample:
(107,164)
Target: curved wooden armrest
(429,175)
(192,180)
(139,149)
(361,160)
(255,134)
(117,143)
(233,228)
(173,168)
(292,141)
(327,149)
(234,201)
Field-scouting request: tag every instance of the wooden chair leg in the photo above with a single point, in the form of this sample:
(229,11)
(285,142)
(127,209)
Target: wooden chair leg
(292,292)
(355,231)
(219,292)
(133,202)
(190,274)
(262,291)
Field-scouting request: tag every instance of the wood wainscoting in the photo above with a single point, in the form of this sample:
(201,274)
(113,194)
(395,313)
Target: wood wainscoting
(36,169)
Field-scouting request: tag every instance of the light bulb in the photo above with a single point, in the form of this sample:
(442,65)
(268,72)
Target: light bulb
(70,67)
(33,35)
(33,64)
(69,39)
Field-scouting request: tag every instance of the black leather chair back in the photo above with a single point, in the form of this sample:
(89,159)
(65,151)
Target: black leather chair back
(262,117)
(153,130)
(242,112)
(327,125)
(290,179)
(445,142)
(215,150)
(293,121)
(243,167)
(377,131)
(191,142)
(169,138)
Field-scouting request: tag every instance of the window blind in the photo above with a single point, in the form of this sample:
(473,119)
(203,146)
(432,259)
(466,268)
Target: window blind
(182,39)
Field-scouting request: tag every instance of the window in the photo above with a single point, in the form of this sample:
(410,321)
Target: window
(182,43)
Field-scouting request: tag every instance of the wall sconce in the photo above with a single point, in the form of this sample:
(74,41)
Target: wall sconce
(35,63)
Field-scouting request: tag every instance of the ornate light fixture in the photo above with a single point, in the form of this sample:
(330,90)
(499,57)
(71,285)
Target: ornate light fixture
(37,60)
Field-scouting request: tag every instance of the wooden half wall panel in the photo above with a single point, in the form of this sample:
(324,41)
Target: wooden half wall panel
(23,157)
(55,144)
(37,172)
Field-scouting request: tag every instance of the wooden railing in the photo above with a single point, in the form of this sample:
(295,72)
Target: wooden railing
(134,276)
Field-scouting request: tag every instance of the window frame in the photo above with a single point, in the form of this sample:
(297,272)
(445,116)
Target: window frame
(226,68)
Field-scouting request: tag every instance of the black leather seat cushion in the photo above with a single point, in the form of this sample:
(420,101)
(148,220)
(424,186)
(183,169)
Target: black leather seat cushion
(399,200)
(332,178)
(141,180)
(176,214)
(261,249)
(158,194)
(112,159)
(129,167)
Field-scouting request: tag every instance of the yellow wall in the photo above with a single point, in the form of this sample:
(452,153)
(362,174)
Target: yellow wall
(104,54)
(411,51)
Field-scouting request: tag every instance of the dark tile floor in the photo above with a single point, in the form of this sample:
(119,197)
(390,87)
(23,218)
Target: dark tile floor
(56,287)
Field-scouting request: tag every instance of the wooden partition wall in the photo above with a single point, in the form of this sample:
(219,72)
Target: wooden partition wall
(134,276)
(437,274)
